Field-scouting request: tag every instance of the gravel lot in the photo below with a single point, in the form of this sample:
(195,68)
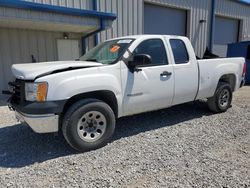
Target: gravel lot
(184,146)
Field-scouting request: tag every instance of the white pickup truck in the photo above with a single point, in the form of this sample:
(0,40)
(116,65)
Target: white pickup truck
(120,77)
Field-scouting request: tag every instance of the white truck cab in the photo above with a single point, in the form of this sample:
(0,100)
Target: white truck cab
(120,77)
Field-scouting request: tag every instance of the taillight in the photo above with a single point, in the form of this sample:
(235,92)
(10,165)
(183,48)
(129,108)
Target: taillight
(244,70)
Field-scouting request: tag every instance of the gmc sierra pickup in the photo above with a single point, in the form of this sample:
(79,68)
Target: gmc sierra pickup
(120,77)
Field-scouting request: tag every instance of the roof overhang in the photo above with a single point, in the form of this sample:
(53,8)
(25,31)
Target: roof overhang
(36,16)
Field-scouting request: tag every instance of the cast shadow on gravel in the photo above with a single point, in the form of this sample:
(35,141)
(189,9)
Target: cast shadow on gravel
(20,146)
(137,124)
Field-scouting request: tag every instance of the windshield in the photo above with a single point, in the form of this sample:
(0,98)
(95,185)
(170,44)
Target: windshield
(107,52)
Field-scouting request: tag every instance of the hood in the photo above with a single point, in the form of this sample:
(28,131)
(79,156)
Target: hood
(31,71)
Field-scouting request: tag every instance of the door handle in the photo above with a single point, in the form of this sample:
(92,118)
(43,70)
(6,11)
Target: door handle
(166,73)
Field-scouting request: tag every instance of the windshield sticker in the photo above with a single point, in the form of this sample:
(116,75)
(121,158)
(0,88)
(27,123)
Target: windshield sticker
(126,41)
(114,48)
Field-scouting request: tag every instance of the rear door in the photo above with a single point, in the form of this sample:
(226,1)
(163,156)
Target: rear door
(185,71)
(151,88)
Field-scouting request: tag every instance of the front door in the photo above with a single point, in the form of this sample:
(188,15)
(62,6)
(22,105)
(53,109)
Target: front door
(151,88)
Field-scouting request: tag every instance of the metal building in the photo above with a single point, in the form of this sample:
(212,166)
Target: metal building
(50,30)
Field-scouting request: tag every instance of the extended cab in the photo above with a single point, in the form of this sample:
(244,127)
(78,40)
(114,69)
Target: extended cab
(120,77)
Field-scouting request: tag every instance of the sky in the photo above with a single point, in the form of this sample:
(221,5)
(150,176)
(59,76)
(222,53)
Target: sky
(248,1)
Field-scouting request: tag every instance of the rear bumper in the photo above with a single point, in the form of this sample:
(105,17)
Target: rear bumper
(47,123)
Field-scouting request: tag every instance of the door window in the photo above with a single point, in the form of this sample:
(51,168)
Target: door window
(180,51)
(155,49)
(248,53)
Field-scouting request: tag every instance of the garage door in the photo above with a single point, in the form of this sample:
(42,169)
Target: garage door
(162,20)
(226,32)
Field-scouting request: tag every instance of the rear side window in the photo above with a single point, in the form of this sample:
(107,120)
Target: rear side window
(248,52)
(180,51)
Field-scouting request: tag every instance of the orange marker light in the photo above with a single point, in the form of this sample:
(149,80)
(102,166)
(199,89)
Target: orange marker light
(42,89)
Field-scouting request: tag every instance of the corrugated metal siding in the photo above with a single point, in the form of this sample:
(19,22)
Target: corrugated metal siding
(18,45)
(129,17)
(82,4)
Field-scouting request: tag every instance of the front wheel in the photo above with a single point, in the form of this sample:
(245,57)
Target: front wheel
(222,98)
(88,124)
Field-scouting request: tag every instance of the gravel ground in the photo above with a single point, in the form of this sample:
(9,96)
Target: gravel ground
(184,146)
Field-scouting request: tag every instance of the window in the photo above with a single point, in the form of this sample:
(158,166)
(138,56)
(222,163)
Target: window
(107,52)
(180,51)
(248,52)
(155,49)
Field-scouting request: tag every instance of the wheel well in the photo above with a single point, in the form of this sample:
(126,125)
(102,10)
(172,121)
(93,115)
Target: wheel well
(105,96)
(230,79)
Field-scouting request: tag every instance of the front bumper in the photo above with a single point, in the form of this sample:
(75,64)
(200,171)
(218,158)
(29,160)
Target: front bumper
(41,117)
(47,123)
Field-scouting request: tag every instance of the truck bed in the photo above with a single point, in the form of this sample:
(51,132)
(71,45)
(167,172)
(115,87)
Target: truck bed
(210,69)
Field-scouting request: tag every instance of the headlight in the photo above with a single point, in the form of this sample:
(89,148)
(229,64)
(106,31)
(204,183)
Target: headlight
(36,91)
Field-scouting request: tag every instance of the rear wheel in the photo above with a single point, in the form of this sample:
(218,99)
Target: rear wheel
(88,124)
(222,98)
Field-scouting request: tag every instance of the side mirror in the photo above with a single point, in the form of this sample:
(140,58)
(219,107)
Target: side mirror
(139,60)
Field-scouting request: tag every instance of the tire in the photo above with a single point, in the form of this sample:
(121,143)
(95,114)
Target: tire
(222,99)
(88,125)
